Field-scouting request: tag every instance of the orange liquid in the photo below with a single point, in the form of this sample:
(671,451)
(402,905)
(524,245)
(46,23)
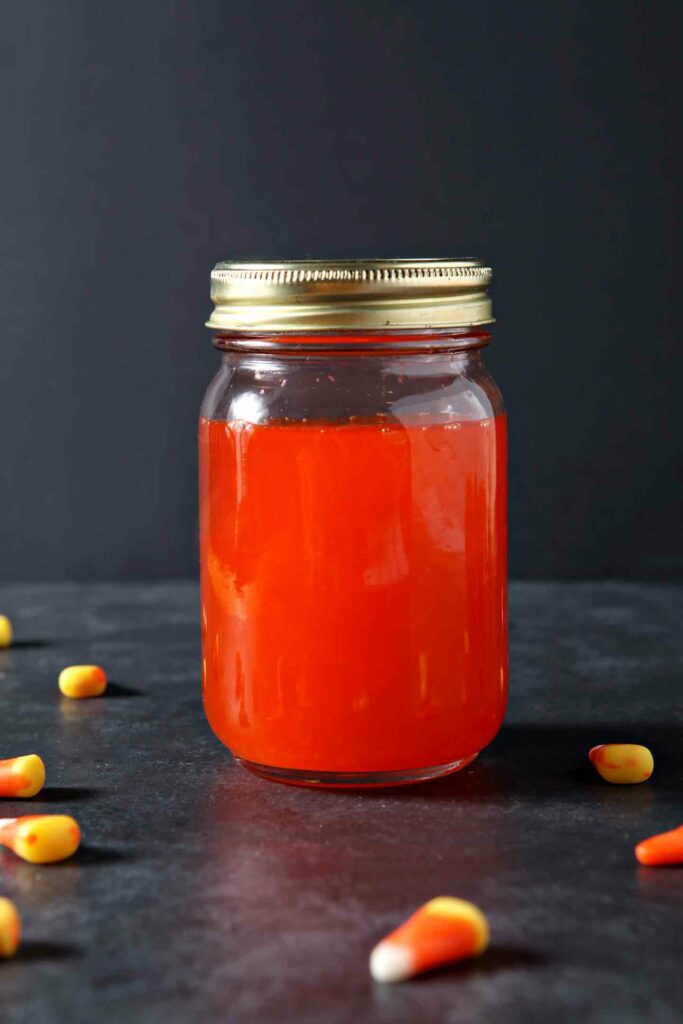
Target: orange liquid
(354,591)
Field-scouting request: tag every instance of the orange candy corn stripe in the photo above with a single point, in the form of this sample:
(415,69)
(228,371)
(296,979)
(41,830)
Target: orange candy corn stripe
(442,931)
(10,928)
(22,776)
(41,838)
(662,849)
(622,763)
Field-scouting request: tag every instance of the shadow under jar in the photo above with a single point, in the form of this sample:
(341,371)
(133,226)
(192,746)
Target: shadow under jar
(352,452)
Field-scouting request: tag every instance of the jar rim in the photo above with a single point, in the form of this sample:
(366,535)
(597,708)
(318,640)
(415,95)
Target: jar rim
(320,296)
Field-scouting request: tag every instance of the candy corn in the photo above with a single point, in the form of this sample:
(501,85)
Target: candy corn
(41,838)
(10,928)
(5,631)
(83,681)
(622,762)
(22,776)
(440,932)
(662,849)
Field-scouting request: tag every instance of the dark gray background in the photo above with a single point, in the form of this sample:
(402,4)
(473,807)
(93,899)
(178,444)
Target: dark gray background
(144,140)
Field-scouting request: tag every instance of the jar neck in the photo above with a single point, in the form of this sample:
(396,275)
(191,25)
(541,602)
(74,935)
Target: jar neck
(349,342)
(384,362)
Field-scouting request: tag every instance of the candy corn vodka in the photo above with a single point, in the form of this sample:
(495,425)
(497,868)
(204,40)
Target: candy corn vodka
(352,454)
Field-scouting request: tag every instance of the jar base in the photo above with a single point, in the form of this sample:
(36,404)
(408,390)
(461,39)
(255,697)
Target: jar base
(353,780)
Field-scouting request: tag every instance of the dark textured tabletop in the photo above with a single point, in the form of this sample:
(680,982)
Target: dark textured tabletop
(202,893)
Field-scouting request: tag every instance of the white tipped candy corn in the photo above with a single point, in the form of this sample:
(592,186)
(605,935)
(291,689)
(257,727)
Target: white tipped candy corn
(440,932)
(10,929)
(80,681)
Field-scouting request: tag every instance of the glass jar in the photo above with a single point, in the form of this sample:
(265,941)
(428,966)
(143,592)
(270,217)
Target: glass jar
(353,521)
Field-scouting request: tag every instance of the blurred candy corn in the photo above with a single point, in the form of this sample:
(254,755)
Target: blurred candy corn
(440,932)
(41,838)
(5,631)
(22,776)
(79,681)
(662,849)
(10,928)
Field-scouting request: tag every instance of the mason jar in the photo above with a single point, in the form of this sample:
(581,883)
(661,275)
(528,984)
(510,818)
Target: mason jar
(352,452)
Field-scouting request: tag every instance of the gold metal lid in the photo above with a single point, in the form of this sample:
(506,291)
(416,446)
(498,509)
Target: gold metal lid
(325,295)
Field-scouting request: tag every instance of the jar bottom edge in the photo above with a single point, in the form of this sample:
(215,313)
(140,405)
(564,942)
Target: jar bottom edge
(353,780)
